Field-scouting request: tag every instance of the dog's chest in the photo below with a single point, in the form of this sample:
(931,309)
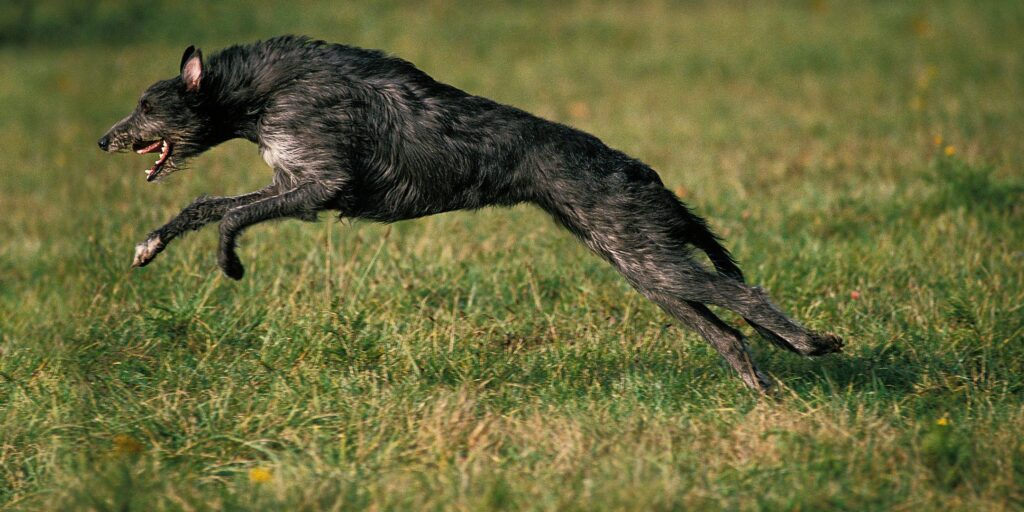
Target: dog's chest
(283,157)
(272,155)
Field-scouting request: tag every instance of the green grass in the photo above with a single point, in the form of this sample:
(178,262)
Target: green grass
(476,361)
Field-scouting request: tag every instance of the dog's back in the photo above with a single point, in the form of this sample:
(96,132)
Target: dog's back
(405,144)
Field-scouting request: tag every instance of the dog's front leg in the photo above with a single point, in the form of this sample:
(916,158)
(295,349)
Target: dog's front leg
(201,212)
(303,201)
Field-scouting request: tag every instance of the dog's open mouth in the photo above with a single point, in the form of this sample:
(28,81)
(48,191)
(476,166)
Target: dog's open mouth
(165,149)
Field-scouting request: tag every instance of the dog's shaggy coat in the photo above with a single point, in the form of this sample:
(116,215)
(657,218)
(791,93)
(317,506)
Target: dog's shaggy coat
(371,136)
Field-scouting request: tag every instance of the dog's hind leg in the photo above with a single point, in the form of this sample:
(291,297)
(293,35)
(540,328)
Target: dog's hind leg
(303,201)
(693,230)
(643,230)
(729,342)
(678,275)
(724,288)
(757,308)
(202,211)
(726,266)
(661,273)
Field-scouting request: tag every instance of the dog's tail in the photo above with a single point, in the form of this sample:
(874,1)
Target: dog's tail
(700,236)
(695,231)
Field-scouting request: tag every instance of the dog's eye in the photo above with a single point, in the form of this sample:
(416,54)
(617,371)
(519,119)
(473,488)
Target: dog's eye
(144,106)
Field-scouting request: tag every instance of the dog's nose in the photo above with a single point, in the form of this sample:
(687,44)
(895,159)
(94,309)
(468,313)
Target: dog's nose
(104,143)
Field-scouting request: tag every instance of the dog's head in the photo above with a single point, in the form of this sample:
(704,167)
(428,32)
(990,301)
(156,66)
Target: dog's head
(172,119)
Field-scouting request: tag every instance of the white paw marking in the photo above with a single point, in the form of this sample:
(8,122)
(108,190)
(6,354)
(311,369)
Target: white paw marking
(146,251)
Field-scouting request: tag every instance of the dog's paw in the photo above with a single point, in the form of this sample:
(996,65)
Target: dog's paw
(826,343)
(147,251)
(231,265)
(759,381)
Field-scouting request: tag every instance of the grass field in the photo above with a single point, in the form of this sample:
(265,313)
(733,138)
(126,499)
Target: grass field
(863,160)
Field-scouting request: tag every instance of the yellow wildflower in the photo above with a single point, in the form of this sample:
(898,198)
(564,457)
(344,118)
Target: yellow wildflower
(942,422)
(259,475)
(938,140)
(949,151)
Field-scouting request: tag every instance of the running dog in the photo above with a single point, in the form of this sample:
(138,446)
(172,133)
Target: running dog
(372,137)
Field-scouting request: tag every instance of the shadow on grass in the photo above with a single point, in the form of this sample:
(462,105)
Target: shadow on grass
(886,371)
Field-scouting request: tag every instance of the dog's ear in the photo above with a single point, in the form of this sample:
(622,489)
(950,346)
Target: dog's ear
(192,68)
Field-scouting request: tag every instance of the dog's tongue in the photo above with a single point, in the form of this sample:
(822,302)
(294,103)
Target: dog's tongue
(150,148)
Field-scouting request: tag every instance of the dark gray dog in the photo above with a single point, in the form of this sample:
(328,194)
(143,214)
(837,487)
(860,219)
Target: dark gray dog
(373,137)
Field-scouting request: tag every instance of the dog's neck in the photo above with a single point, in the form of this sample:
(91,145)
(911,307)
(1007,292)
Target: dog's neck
(239,93)
(235,108)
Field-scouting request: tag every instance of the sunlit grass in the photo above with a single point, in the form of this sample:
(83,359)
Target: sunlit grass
(862,160)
